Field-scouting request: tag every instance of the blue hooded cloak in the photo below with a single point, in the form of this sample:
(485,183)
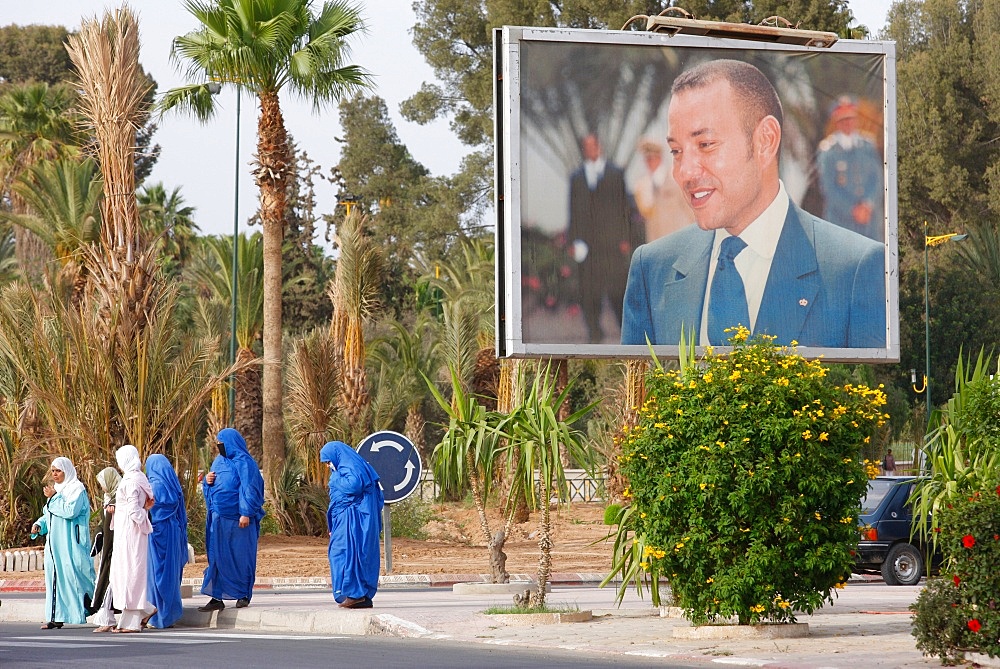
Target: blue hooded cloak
(238,491)
(354,518)
(167,544)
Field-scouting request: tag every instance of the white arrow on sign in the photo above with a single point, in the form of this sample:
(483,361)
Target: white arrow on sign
(379,444)
(406,479)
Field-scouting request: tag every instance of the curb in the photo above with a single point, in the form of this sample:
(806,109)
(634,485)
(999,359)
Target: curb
(29,585)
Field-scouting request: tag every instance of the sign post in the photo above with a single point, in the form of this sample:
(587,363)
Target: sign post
(397,462)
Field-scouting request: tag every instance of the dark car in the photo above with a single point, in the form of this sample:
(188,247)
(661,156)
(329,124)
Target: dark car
(885,522)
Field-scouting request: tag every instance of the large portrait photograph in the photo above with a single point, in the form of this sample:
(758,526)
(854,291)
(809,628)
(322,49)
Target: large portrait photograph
(653,189)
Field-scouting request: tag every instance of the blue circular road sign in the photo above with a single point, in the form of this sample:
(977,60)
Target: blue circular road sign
(396,461)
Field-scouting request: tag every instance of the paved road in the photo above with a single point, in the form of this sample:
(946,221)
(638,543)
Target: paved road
(24,645)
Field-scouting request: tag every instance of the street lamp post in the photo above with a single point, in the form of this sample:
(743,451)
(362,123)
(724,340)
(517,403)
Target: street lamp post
(930,241)
(234,289)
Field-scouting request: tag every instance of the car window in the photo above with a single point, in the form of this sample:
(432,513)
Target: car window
(877,490)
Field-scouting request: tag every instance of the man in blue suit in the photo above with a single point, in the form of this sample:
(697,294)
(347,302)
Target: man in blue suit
(754,258)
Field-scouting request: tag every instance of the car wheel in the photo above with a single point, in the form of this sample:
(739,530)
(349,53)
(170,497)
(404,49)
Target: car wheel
(903,566)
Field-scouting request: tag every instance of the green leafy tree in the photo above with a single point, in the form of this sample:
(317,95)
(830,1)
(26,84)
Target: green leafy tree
(33,53)
(745,478)
(264,47)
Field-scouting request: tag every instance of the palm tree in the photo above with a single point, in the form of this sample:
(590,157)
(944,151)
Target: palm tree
(407,356)
(165,216)
(264,46)
(213,271)
(354,292)
(36,123)
(64,197)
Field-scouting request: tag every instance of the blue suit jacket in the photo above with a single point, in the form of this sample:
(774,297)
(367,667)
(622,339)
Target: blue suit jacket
(826,287)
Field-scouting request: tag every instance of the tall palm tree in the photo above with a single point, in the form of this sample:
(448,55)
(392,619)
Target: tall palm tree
(264,46)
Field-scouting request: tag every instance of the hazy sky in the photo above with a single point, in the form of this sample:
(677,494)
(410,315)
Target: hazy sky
(201,159)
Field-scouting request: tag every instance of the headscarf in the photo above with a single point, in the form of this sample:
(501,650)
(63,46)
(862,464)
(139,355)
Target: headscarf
(128,461)
(167,489)
(343,456)
(71,487)
(109,478)
(251,483)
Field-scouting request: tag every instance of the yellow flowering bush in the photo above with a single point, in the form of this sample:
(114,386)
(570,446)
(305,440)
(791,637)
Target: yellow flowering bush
(745,482)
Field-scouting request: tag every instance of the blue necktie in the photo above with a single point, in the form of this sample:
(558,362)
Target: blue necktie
(727,302)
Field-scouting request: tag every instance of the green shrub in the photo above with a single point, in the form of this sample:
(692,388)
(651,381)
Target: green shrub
(745,482)
(409,518)
(960,610)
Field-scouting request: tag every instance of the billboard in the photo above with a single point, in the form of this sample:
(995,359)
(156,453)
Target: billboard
(634,169)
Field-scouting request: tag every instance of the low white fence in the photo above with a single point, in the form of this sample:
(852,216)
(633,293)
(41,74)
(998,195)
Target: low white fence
(582,488)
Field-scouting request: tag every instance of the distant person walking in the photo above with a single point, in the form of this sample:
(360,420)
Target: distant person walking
(354,518)
(234,498)
(133,500)
(167,544)
(889,464)
(69,571)
(102,609)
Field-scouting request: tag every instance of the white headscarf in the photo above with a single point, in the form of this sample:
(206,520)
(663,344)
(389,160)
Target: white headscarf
(71,487)
(128,459)
(131,465)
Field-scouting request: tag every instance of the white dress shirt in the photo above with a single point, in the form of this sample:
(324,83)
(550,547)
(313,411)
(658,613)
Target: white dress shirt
(754,262)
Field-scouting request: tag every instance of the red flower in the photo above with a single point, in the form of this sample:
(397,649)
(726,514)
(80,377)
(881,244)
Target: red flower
(996,537)
(956,579)
(968,541)
(937,529)
(975,625)
(998,490)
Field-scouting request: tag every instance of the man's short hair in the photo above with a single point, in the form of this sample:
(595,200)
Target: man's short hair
(750,85)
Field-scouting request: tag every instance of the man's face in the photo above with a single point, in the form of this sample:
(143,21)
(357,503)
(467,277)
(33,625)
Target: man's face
(591,148)
(714,161)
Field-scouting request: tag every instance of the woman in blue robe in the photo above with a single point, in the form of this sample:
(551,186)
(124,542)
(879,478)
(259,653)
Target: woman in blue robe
(354,518)
(167,544)
(234,501)
(69,571)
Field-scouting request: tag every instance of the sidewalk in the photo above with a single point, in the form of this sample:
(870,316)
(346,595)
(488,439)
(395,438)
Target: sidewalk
(868,625)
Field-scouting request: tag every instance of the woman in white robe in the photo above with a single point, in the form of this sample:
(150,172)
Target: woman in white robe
(132,528)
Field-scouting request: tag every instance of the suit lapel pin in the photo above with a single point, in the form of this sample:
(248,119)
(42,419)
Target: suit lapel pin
(803,302)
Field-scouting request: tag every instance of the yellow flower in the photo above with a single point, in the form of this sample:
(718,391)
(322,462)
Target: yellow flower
(840,586)
(823,436)
(757,608)
(818,517)
(735,375)
(680,545)
(710,580)
(659,425)
(702,485)
(807,435)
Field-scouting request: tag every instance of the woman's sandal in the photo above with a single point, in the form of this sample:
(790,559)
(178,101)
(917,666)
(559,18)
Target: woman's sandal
(145,621)
(103,628)
(51,625)
(120,630)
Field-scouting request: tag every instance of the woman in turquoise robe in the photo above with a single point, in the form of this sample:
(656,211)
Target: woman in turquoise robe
(69,571)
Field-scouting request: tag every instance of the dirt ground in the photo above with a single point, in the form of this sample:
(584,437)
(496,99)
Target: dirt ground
(455,545)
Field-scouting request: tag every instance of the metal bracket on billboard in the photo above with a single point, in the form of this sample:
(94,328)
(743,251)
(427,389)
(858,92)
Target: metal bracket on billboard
(686,24)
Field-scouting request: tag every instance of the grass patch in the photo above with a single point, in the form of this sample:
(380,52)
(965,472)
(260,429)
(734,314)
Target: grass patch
(562,608)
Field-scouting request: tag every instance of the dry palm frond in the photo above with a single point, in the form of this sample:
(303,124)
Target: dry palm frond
(113,88)
(313,402)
